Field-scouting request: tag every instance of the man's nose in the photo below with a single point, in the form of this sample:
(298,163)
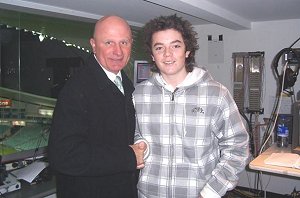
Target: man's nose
(168,51)
(118,49)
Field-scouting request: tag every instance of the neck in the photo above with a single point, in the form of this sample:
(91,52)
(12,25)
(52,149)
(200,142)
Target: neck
(174,80)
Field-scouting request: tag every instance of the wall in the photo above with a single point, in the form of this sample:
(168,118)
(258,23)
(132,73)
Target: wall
(270,37)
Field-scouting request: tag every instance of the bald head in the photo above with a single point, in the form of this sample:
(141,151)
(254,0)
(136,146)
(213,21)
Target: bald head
(111,43)
(110,21)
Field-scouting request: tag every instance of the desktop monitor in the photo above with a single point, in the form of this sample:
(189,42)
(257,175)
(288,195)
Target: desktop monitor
(142,71)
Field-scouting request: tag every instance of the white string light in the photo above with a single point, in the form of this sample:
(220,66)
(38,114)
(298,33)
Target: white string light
(43,36)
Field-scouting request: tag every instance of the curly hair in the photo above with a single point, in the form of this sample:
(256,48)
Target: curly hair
(184,27)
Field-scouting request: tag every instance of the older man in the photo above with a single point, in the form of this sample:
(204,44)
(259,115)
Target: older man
(91,140)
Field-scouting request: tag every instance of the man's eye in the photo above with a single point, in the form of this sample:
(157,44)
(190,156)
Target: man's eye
(176,46)
(108,43)
(158,48)
(124,43)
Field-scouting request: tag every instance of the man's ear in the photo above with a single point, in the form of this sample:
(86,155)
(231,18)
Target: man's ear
(152,58)
(187,53)
(92,42)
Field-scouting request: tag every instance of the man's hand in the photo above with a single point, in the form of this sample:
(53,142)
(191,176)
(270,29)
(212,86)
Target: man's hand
(139,150)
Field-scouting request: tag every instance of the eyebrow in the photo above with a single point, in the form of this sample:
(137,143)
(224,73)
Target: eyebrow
(176,41)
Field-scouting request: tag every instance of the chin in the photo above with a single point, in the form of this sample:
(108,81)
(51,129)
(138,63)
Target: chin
(116,68)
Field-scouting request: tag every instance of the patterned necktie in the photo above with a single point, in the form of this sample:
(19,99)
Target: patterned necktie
(118,83)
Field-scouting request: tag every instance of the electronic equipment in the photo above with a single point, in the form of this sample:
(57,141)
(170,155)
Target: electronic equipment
(247,83)
(16,157)
(291,56)
(296,127)
(142,71)
(255,76)
(9,184)
(239,68)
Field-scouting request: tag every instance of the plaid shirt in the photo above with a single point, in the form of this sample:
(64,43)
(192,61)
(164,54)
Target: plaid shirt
(196,137)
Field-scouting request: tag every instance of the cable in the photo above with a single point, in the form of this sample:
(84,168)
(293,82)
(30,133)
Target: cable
(294,42)
(277,105)
(44,131)
(292,75)
(276,112)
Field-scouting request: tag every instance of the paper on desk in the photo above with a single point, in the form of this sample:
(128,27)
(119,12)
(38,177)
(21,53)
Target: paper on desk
(291,160)
(28,173)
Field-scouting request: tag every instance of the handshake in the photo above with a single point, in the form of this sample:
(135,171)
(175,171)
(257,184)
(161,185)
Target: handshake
(141,153)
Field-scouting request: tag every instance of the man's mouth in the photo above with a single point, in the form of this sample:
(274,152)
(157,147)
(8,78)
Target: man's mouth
(169,62)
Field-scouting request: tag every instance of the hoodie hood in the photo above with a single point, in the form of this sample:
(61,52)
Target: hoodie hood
(197,76)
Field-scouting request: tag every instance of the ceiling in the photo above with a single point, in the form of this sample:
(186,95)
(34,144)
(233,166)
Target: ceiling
(232,14)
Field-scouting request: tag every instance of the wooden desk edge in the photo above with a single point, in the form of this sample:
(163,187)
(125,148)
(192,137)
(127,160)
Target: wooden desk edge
(258,164)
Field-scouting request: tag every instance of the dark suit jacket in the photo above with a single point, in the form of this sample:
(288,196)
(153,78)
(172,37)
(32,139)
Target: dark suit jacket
(93,124)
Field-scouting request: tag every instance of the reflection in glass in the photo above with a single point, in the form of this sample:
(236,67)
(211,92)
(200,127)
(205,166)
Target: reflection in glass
(33,70)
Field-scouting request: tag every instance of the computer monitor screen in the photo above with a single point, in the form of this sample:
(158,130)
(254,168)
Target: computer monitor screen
(142,71)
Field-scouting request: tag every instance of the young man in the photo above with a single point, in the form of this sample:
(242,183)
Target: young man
(197,141)
(90,143)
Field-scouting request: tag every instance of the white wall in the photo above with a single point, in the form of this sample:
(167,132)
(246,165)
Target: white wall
(270,37)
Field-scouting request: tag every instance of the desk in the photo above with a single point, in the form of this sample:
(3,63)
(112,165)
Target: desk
(258,162)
